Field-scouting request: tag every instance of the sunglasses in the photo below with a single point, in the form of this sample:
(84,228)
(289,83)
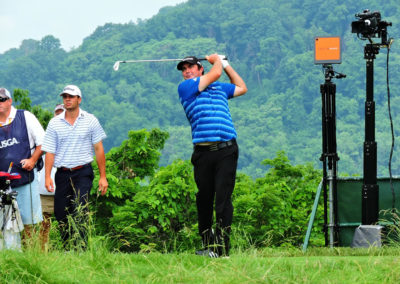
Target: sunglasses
(2,100)
(64,96)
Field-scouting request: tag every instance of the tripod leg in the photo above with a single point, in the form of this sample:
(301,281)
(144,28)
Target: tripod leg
(329,158)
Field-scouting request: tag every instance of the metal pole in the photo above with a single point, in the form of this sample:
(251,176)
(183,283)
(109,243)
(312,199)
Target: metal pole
(312,218)
(324,164)
(370,188)
(331,210)
(329,155)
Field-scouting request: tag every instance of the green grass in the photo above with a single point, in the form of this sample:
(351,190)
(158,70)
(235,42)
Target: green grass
(255,266)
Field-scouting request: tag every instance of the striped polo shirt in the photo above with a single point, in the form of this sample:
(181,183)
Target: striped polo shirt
(73,144)
(208,111)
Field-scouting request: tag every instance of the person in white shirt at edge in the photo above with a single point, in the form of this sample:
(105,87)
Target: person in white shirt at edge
(71,140)
(21,136)
(47,198)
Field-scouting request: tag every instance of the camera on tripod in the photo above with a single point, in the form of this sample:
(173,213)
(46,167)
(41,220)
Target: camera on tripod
(370,25)
(7,195)
(10,218)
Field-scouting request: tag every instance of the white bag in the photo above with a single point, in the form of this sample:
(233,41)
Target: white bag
(11,240)
(11,225)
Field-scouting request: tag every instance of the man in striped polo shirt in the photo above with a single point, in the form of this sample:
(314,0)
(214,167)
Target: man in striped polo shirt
(71,140)
(215,155)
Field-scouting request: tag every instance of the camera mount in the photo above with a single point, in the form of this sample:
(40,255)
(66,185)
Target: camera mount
(329,155)
(6,193)
(10,219)
(327,51)
(370,26)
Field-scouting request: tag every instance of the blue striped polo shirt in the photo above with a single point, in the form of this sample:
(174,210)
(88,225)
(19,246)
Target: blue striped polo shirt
(73,144)
(208,111)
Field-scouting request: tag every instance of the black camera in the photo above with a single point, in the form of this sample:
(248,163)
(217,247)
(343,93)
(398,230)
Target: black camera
(7,196)
(369,25)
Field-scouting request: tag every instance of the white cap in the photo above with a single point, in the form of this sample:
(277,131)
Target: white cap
(71,90)
(59,107)
(4,93)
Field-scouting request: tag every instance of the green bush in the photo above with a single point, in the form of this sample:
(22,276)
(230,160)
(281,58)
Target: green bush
(275,209)
(149,208)
(161,215)
(127,166)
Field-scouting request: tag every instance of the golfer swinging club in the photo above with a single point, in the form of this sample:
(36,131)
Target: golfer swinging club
(215,155)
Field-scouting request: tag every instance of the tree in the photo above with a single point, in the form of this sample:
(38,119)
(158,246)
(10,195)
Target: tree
(163,214)
(49,43)
(270,44)
(22,101)
(128,167)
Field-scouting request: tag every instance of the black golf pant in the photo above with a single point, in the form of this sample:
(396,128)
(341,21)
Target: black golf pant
(71,198)
(215,173)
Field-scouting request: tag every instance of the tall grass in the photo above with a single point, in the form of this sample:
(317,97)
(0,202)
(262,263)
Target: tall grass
(99,263)
(251,266)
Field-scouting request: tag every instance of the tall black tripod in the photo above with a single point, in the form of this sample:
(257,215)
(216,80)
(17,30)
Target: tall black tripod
(370,188)
(329,155)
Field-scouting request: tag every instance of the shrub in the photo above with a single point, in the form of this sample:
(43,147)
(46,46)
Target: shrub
(275,209)
(147,209)
(162,213)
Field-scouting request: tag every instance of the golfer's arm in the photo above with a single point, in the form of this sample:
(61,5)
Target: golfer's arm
(48,164)
(100,158)
(235,79)
(212,76)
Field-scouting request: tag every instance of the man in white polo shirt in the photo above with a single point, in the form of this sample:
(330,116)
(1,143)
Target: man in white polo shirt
(21,137)
(72,138)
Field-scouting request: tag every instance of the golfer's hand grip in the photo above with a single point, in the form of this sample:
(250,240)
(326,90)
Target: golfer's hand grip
(225,58)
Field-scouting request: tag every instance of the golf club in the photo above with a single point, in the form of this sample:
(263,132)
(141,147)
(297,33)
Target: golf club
(116,64)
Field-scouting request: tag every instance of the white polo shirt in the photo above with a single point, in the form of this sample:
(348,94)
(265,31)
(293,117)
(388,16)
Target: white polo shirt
(73,145)
(35,129)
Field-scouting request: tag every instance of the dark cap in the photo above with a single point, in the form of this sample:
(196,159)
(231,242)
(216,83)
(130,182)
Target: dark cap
(190,60)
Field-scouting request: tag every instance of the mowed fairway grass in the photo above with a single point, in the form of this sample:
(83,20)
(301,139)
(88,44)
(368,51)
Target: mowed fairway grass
(321,265)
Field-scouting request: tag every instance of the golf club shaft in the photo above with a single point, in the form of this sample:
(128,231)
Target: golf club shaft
(153,60)
(116,65)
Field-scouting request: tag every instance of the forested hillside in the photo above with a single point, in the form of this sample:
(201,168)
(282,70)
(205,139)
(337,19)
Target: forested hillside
(270,44)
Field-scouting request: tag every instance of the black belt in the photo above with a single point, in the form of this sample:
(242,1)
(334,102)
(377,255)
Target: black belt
(216,146)
(74,168)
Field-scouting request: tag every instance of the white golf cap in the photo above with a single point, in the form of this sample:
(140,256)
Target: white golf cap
(59,107)
(71,90)
(4,93)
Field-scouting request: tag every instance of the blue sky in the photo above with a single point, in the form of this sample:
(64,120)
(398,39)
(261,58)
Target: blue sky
(70,21)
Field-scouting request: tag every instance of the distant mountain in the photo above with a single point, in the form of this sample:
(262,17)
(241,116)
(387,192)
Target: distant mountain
(270,44)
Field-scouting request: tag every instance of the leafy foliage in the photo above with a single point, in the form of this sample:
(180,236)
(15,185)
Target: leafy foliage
(147,207)
(162,213)
(269,43)
(157,211)
(275,209)
(127,168)
(22,101)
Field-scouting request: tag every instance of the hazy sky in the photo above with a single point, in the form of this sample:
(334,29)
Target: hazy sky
(68,20)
